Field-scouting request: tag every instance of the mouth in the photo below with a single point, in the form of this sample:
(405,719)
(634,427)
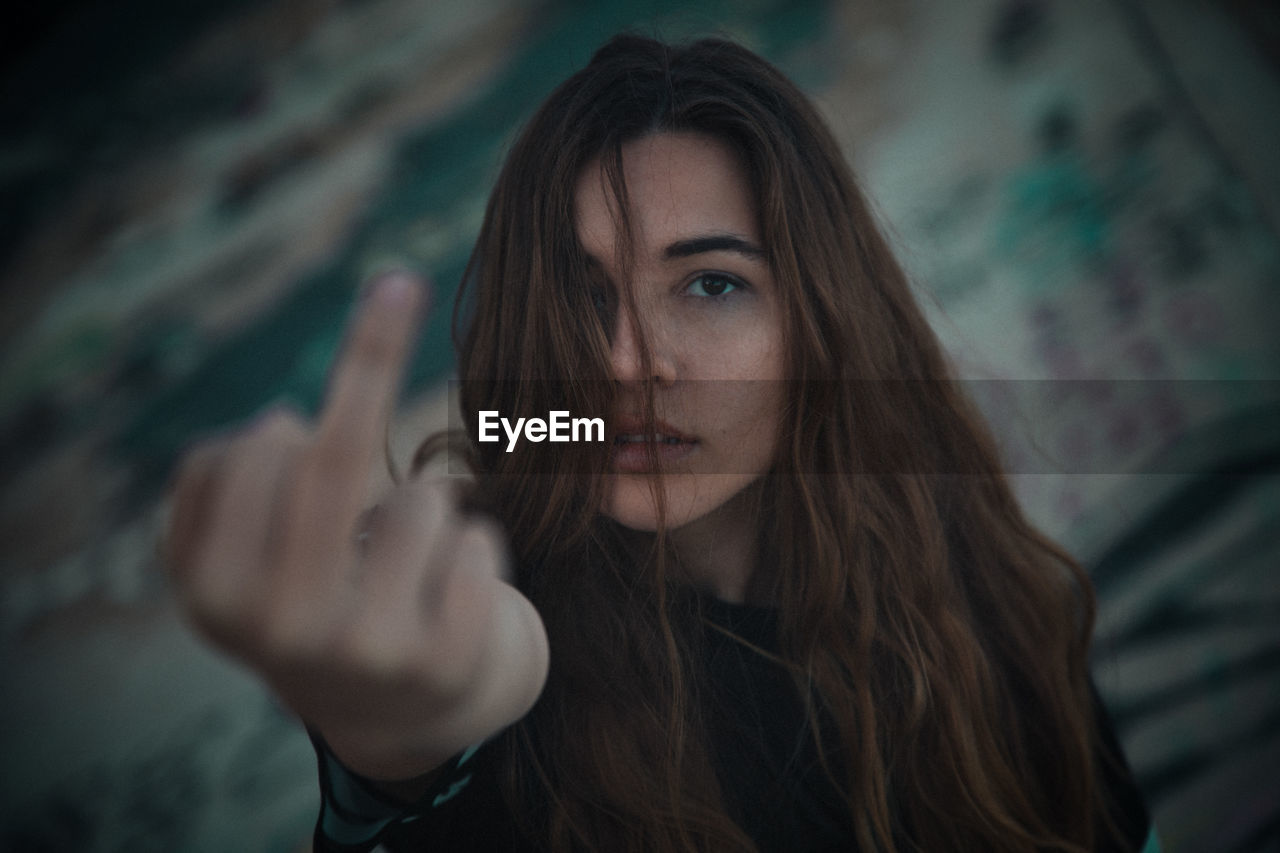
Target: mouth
(636,451)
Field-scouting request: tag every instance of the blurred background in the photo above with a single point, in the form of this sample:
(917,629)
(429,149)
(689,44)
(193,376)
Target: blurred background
(1086,193)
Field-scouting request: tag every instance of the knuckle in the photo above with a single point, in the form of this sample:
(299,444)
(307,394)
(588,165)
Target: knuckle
(283,428)
(419,505)
(408,524)
(278,429)
(440,488)
(197,460)
(326,462)
(287,419)
(198,470)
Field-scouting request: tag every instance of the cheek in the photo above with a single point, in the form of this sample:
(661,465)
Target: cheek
(737,352)
(745,415)
(735,339)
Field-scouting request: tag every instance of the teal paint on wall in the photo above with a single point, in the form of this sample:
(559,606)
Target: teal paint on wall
(442,172)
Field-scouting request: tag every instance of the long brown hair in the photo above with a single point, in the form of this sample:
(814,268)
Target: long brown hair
(939,642)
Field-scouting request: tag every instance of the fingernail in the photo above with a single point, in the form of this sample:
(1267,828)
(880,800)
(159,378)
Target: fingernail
(393,288)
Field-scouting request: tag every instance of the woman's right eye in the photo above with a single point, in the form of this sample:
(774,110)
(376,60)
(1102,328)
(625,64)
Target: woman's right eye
(712,285)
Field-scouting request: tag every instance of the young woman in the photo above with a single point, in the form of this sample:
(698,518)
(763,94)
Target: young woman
(789,604)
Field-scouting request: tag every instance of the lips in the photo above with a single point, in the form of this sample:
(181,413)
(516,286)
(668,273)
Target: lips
(636,449)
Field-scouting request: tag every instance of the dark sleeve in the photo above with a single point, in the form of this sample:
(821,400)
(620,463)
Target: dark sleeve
(1128,808)
(355,815)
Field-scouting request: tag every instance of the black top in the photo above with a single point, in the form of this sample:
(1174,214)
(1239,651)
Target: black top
(765,755)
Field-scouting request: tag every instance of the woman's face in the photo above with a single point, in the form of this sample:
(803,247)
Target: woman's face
(707,305)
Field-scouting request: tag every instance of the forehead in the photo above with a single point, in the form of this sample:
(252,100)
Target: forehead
(679,185)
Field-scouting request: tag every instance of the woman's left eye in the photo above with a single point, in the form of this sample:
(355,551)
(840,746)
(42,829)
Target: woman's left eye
(713,284)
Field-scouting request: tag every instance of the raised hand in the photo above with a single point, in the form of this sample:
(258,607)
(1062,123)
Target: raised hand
(392,631)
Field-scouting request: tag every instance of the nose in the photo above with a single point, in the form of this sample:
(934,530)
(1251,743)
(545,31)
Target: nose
(630,339)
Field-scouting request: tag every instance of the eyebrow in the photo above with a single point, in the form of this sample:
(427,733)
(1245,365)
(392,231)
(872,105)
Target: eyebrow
(713,243)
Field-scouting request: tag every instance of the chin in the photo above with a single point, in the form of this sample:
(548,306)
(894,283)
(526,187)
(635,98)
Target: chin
(688,497)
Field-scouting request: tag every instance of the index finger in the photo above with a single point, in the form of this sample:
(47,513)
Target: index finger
(366,376)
